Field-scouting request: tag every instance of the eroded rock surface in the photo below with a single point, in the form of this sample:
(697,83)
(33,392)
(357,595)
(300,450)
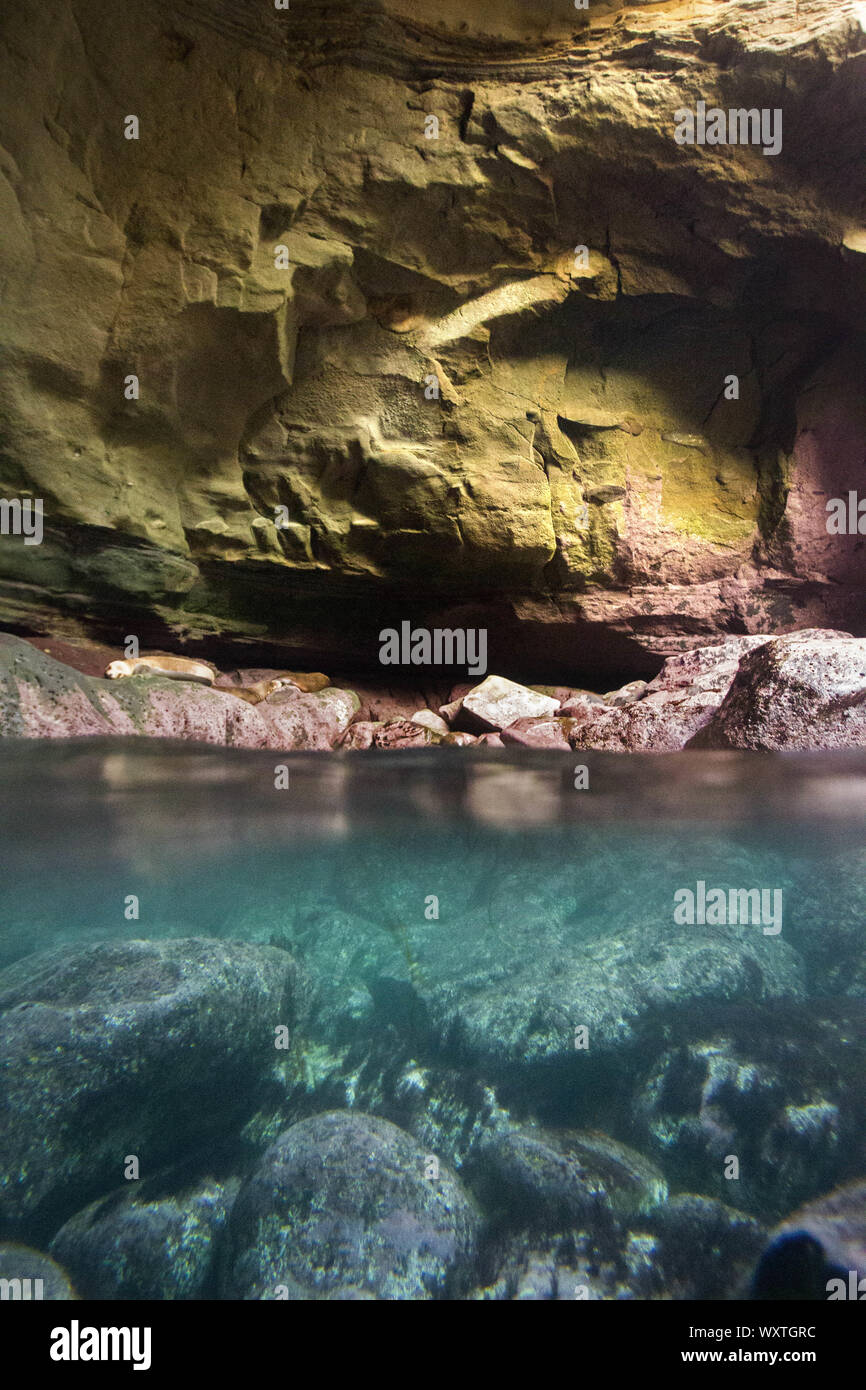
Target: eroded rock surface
(373,376)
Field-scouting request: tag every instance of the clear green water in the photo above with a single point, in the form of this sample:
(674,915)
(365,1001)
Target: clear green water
(467,915)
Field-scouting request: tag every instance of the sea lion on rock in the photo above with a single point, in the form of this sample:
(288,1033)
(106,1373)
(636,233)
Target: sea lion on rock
(255,694)
(252,678)
(176,668)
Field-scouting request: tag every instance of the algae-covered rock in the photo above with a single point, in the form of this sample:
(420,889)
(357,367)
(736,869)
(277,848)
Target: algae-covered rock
(562,1177)
(145,1243)
(348,1201)
(133,1048)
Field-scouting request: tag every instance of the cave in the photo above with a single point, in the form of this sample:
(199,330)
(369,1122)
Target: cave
(432,549)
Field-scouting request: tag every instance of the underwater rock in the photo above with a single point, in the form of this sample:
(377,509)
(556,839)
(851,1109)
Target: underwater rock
(826,921)
(780,1089)
(344,1200)
(138,1243)
(819,1252)
(704,1249)
(558,1178)
(38,1275)
(568,1265)
(144,1048)
(804,690)
(510,1006)
(497,702)
(449,1112)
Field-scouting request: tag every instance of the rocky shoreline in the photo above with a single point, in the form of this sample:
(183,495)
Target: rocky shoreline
(803,690)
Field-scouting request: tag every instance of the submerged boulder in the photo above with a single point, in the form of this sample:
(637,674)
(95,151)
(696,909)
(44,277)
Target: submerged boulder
(136,1048)
(566,1177)
(344,1201)
(508,1007)
(141,1243)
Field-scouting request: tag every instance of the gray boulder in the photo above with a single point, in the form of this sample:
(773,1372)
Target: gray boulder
(347,1202)
(145,1048)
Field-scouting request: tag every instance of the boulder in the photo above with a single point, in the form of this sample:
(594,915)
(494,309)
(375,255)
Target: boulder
(803,690)
(43,698)
(822,1242)
(317,720)
(47,1281)
(674,706)
(497,702)
(428,720)
(625,695)
(146,1242)
(146,1048)
(364,1207)
(561,1178)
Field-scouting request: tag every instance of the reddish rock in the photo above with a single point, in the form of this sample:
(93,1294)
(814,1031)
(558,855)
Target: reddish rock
(625,695)
(683,697)
(360,734)
(380,703)
(307,720)
(391,733)
(539,733)
(803,690)
(42,698)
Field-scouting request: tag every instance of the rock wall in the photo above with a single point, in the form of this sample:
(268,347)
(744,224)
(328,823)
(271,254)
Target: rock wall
(452,416)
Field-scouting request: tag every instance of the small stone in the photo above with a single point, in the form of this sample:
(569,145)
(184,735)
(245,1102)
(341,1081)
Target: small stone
(428,720)
(539,733)
(626,695)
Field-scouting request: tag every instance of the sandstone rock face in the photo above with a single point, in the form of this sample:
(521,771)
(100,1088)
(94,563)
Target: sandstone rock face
(807,690)
(425,311)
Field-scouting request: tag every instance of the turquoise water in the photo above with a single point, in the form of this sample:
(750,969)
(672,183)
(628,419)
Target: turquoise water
(487,951)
